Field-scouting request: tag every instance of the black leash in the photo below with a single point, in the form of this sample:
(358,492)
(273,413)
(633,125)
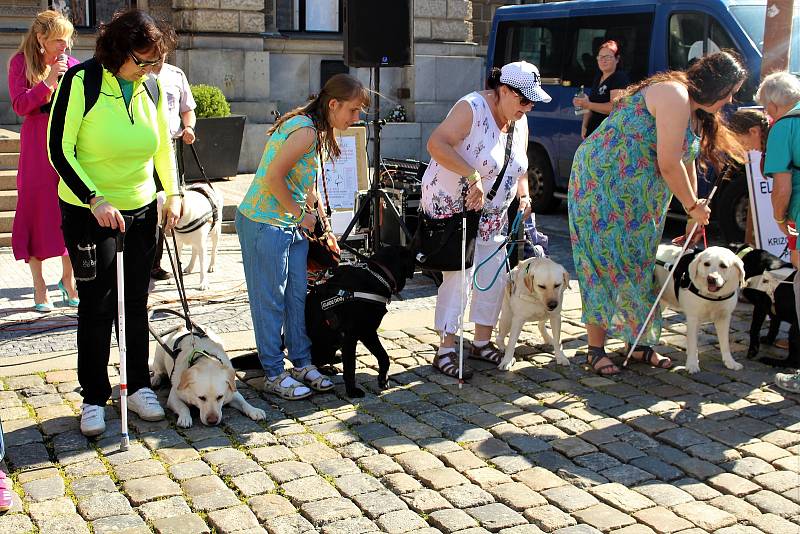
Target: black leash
(177,271)
(199,165)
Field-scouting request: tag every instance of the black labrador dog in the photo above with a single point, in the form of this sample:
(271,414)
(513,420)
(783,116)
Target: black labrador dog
(779,307)
(349,306)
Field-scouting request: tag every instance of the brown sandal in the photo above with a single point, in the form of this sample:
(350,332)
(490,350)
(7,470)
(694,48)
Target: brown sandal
(649,356)
(488,353)
(595,356)
(447,364)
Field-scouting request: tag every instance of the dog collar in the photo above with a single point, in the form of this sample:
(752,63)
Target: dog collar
(681,278)
(693,289)
(197,354)
(744,252)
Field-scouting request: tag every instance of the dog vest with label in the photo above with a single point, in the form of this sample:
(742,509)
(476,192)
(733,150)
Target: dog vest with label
(681,278)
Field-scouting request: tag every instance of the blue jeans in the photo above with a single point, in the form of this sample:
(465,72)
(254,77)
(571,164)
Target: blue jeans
(274,261)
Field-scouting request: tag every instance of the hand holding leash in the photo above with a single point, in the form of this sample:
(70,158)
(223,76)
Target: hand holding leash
(172,211)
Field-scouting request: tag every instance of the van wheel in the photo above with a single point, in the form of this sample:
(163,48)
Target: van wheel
(541,185)
(731,209)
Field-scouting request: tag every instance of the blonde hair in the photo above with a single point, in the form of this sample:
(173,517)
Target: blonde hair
(50,25)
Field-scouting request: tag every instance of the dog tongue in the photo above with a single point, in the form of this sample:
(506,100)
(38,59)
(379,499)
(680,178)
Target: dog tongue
(713,288)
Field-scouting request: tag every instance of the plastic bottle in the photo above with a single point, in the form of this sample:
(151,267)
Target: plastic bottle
(579,110)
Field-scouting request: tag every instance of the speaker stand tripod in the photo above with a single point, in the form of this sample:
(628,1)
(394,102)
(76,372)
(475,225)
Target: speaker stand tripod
(375,194)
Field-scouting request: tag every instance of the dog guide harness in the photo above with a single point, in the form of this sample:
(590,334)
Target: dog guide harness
(175,351)
(343,295)
(768,281)
(212,214)
(681,278)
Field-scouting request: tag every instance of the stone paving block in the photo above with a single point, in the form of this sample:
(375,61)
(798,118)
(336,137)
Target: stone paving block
(441,477)
(733,484)
(656,467)
(289,524)
(622,498)
(766,451)
(466,496)
(682,438)
(357,525)
(425,501)
(463,460)
(604,517)
(714,452)
(539,479)
(704,515)
(394,445)
(596,461)
(232,519)
(287,471)
(308,489)
(129,523)
(142,490)
(186,470)
(215,500)
(627,475)
(489,448)
(29,456)
(401,483)
(103,505)
(62,524)
(351,485)
(83,487)
(522,529)
(624,452)
(772,503)
(44,489)
(255,483)
(451,520)
(739,508)
(379,465)
(137,452)
(315,452)
(635,529)
(416,461)
(485,477)
(512,464)
(782,438)
(778,481)
(699,469)
(771,523)
(581,477)
(790,463)
(198,485)
(172,507)
(496,516)
(400,521)
(569,498)
(181,524)
(15,523)
(662,520)
(697,489)
(270,506)
(377,503)
(749,467)
(662,494)
(144,468)
(517,496)
(178,454)
(549,518)
(572,447)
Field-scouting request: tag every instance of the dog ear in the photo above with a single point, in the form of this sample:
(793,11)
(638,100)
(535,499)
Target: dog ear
(528,279)
(566,279)
(693,266)
(232,380)
(739,264)
(186,379)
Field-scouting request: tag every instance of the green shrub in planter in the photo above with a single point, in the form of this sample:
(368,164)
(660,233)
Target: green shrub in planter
(210,101)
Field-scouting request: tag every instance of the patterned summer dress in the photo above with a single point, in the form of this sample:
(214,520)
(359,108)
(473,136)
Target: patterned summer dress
(618,202)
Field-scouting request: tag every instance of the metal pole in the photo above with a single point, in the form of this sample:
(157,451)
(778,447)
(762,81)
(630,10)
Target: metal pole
(121,343)
(376,164)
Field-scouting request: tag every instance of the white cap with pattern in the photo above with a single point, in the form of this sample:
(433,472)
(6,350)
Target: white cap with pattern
(524,76)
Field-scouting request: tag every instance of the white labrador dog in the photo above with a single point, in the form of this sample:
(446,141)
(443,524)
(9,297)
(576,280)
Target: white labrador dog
(708,293)
(197,222)
(535,293)
(201,376)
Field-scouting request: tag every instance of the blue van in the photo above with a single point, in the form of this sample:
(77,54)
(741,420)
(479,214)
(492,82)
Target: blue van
(562,39)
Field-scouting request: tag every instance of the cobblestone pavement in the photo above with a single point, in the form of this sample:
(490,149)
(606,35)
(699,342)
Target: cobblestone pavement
(544,448)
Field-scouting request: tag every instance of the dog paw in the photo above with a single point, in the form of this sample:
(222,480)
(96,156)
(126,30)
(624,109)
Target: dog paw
(506,364)
(383,382)
(203,286)
(355,393)
(211,268)
(184,421)
(733,365)
(561,359)
(187,270)
(155,381)
(693,368)
(256,414)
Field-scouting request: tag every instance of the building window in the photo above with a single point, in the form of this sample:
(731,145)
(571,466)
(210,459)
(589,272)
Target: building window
(90,13)
(309,15)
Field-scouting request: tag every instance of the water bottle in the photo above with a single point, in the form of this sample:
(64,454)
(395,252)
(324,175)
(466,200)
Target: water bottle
(579,110)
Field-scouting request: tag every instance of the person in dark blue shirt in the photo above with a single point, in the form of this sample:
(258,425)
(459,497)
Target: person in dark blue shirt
(607,86)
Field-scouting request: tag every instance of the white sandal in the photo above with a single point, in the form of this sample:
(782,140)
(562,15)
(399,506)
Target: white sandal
(321,383)
(286,392)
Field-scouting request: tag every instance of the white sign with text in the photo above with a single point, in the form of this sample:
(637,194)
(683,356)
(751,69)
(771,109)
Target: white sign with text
(767,234)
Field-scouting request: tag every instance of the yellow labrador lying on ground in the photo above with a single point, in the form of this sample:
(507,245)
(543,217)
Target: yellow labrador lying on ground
(706,289)
(201,375)
(534,293)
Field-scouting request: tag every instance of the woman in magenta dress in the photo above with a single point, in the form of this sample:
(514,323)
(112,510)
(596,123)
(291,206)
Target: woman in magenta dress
(33,76)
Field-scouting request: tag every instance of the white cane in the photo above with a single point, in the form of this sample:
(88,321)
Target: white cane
(463,294)
(722,176)
(123,371)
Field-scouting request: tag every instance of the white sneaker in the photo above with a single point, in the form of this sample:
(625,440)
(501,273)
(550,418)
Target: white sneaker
(93,420)
(144,403)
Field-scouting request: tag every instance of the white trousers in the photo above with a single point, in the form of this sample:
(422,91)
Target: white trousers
(484,305)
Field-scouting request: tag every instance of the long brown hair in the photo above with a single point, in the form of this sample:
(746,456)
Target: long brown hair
(341,87)
(710,79)
(50,25)
(744,119)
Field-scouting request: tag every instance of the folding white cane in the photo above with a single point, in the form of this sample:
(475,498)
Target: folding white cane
(463,299)
(123,371)
(722,176)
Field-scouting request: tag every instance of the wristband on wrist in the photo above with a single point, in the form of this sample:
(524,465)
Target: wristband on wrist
(780,221)
(301,215)
(474,177)
(526,198)
(97,203)
(692,207)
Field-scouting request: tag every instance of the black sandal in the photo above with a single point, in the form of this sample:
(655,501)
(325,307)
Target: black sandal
(594,356)
(649,356)
(488,353)
(447,364)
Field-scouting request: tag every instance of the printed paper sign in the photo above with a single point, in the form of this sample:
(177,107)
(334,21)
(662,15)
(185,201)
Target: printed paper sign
(767,234)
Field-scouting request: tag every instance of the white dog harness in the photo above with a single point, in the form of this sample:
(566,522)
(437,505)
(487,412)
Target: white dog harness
(212,214)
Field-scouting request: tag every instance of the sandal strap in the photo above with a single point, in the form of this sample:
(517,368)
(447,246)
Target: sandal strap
(447,363)
(285,392)
(489,352)
(321,383)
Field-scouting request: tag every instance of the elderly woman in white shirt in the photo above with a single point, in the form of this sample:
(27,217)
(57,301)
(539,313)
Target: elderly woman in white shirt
(467,153)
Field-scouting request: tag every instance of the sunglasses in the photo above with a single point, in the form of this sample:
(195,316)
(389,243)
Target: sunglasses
(523,100)
(142,63)
(605,57)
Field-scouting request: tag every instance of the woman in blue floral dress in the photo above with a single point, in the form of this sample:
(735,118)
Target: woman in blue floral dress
(623,178)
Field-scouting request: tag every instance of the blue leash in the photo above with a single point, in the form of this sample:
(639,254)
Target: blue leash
(509,239)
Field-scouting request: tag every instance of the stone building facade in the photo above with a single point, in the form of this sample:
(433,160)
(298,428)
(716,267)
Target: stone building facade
(259,54)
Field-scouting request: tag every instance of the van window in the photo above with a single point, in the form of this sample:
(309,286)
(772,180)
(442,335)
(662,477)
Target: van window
(539,42)
(693,35)
(586,34)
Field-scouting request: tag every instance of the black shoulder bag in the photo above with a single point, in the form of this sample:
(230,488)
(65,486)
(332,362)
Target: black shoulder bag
(437,242)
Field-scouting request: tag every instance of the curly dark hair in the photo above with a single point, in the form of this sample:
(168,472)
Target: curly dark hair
(129,31)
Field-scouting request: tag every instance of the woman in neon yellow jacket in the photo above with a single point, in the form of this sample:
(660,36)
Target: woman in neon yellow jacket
(104,143)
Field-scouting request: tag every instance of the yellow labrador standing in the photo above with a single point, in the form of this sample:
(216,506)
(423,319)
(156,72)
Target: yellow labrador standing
(535,293)
(707,291)
(201,376)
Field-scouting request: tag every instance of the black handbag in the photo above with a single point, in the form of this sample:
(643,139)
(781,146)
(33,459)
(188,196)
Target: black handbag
(437,242)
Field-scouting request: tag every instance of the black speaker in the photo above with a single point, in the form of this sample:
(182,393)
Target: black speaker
(378,33)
